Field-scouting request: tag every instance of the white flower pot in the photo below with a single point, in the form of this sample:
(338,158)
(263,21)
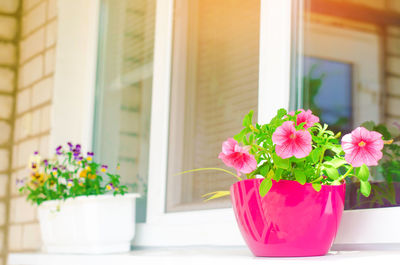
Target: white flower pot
(91,225)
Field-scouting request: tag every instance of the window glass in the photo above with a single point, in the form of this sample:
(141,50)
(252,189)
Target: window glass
(124,83)
(214,84)
(347,70)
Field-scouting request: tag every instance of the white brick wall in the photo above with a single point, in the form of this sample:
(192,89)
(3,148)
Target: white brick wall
(49,61)
(28,4)
(42,92)
(6,105)
(21,211)
(52,9)
(24,100)
(393,45)
(34,19)
(31,236)
(51,33)
(31,72)
(8,53)
(8,27)
(4,159)
(393,65)
(7,78)
(394,86)
(32,45)
(25,150)
(33,112)
(5,130)
(393,106)
(9,6)
(15,237)
(3,185)
(2,213)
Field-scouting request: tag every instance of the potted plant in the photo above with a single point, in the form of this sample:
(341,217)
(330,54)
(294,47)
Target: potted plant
(82,208)
(291,173)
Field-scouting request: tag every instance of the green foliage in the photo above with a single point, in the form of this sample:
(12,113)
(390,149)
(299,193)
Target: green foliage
(69,174)
(265,186)
(323,166)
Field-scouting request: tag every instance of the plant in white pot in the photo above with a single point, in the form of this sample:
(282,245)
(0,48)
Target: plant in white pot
(82,208)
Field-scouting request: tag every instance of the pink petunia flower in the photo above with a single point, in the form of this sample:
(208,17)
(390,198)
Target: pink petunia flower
(233,155)
(290,142)
(362,147)
(305,116)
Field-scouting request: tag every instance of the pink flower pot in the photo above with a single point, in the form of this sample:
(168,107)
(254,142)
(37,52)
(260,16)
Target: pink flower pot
(292,220)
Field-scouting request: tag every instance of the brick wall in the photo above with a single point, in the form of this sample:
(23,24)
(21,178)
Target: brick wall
(8,71)
(392,110)
(31,112)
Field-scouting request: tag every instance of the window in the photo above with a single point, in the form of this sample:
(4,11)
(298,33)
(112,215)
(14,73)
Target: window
(124,85)
(214,84)
(347,74)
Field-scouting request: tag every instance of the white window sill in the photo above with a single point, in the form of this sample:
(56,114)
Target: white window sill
(203,255)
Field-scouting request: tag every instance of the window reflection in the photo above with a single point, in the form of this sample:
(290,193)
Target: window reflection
(348,59)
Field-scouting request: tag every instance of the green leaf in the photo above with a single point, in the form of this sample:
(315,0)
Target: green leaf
(265,186)
(238,137)
(331,172)
(315,155)
(384,131)
(336,162)
(362,173)
(365,188)
(317,186)
(264,170)
(278,174)
(300,176)
(369,125)
(281,113)
(248,118)
(216,194)
(280,162)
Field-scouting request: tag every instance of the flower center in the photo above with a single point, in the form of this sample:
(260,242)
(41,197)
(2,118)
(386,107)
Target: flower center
(361,144)
(292,136)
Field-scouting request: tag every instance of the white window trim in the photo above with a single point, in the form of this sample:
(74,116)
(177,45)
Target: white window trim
(200,227)
(73,106)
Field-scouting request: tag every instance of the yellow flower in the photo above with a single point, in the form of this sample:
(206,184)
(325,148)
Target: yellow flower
(89,158)
(83,173)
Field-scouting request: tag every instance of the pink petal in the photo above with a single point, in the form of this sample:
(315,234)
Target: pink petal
(285,150)
(229,145)
(282,133)
(249,164)
(225,159)
(347,143)
(302,144)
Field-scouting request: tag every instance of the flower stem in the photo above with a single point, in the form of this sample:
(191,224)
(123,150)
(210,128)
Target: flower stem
(320,161)
(346,174)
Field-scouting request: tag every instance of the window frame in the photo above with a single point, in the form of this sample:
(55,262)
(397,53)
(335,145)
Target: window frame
(178,228)
(74,86)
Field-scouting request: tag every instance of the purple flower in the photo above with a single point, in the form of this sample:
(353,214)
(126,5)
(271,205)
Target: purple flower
(90,153)
(70,146)
(19,182)
(110,186)
(58,150)
(76,151)
(46,162)
(104,168)
(36,153)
